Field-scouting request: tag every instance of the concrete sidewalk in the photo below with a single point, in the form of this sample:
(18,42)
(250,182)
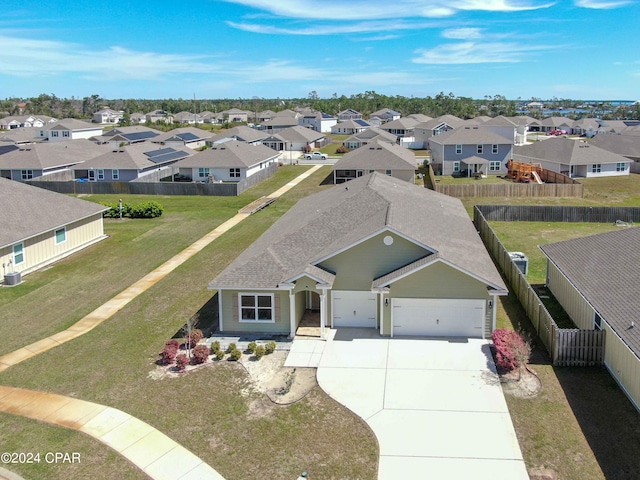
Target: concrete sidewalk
(110,308)
(150,450)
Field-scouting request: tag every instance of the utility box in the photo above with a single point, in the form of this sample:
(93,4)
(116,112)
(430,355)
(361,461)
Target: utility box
(521,261)
(12,278)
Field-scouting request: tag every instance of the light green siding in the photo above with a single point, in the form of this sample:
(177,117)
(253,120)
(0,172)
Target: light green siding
(623,365)
(357,267)
(230,313)
(301,304)
(573,303)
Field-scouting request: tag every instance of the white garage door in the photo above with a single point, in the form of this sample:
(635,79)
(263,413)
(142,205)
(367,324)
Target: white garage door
(354,309)
(438,317)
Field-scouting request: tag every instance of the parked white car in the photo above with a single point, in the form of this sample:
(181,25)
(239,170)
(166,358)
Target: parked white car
(315,156)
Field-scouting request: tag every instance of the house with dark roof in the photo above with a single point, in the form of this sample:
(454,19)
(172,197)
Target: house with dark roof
(349,114)
(382,116)
(595,279)
(470,150)
(383,157)
(129,162)
(356,254)
(40,227)
(126,135)
(574,158)
(231,161)
(190,137)
(69,129)
(318,121)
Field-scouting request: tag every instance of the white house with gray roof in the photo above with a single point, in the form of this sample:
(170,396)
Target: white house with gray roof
(595,279)
(231,161)
(294,139)
(40,227)
(357,256)
(367,136)
(377,156)
(69,129)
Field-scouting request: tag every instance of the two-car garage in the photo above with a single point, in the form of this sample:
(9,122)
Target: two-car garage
(430,317)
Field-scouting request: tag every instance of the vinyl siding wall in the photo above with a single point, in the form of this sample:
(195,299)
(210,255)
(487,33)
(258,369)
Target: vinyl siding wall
(623,365)
(230,313)
(574,304)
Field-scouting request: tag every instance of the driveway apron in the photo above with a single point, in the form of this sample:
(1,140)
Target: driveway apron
(435,405)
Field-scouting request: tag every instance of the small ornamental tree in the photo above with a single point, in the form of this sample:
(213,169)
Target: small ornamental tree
(169,352)
(512,351)
(194,337)
(181,362)
(200,354)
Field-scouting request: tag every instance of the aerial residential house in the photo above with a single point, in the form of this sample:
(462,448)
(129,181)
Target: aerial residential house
(420,117)
(557,123)
(137,118)
(349,114)
(626,145)
(586,127)
(236,115)
(191,137)
(523,125)
(127,135)
(211,117)
(383,116)
(401,127)
(535,107)
(242,133)
(574,158)
(18,136)
(128,163)
(25,121)
(502,126)
(29,161)
(40,227)
(69,129)
(383,157)
(187,118)
(318,121)
(156,116)
(432,127)
(595,279)
(282,120)
(367,136)
(264,116)
(613,127)
(470,150)
(107,115)
(232,161)
(350,127)
(294,139)
(357,254)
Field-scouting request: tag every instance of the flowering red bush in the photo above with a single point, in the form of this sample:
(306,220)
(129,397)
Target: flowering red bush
(512,351)
(194,338)
(182,361)
(200,354)
(169,352)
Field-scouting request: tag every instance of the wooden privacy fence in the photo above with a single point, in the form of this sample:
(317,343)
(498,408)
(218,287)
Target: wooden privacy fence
(567,347)
(550,213)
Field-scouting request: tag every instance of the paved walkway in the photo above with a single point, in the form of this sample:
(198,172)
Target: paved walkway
(156,454)
(436,406)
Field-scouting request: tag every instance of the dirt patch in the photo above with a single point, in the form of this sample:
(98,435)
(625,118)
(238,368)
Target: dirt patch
(525,384)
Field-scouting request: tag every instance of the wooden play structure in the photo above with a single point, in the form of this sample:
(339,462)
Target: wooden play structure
(524,172)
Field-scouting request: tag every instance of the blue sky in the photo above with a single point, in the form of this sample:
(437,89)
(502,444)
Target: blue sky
(584,49)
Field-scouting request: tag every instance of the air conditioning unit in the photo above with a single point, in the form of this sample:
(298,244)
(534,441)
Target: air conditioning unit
(12,278)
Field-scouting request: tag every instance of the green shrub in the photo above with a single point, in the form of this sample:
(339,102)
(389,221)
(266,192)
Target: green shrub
(215,347)
(231,347)
(252,346)
(235,355)
(149,209)
(114,210)
(270,347)
(219,354)
(259,352)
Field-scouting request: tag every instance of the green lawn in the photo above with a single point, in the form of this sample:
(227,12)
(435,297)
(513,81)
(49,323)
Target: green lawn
(211,412)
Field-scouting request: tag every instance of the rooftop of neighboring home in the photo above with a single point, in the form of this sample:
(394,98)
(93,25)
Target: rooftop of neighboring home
(21,135)
(587,123)
(600,267)
(557,122)
(451,120)
(615,126)
(371,134)
(625,145)
(335,219)
(186,116)
(45,155)
(358,124)
(29,211)
(139,156)
(420,117)
(132,134)
(17,120)
(299,134)
(231,154)
(240,132)
(72,124)
(499,121)
(378,155)
(470,135)
(404,123)
(185,135)
(385,112)
(522,119)
(567,151)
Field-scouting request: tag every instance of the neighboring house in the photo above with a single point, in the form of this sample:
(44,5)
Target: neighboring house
(231,161)
(25,121)
(502,126)
(235,115)
(40,227)
(433,127)
(22,135)
(587,127)
(26,162)
(383,116)
(108,115)
(350,127)
(191,137)
(349,114)
(595,279)
(127,163)
(383,157)
(211,117)
(318,121)
(240,132)
(187,118)
(557,123)
(625,145)
(137,118)
(158,116)
(376,252)
(294,139)
(367,136)
(470,150)
(523,125)
(420,117)
(265,115)
(127,135)
(69,129)
(574,158)
(536,107)
(401,127)
(282,120)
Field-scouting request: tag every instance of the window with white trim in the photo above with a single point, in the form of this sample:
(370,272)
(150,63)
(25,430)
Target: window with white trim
(61,235)
(621,167)
(456,167)
(458,149)
(234,172)
(494,148)
(18,254)
(203,172)
(115,174)
(26,174)
(54,133)
(479,148)
(65,133)
(387,172)
(494,166)
(596,168)
(100,174)
(597,321)
(256,307)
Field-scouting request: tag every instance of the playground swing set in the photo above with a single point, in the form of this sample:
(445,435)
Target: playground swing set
(524,172)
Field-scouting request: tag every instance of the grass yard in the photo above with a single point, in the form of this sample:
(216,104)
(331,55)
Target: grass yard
(210,411)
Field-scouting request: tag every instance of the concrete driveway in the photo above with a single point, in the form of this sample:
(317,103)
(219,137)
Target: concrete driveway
(436,406)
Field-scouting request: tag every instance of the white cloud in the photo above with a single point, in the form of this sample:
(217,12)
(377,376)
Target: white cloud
(345,28)
(463,33)
(601,4)
(473,52)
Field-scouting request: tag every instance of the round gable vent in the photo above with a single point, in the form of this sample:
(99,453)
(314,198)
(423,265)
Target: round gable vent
(388,240)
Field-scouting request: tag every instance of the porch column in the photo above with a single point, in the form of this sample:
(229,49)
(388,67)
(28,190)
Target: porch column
(494,308)
(292,313)
(220,324)
(323,313)
(381,309)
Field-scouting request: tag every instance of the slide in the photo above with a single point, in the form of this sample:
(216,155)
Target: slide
(536,177)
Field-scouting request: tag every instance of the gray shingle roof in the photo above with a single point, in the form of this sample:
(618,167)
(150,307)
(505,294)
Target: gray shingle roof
(128,157)
(470,136)
(605,269)
(229,154)
(378,155)
(299,134)
(49,155)
(28,211)
(566,151)
(625,145)
(322,224)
